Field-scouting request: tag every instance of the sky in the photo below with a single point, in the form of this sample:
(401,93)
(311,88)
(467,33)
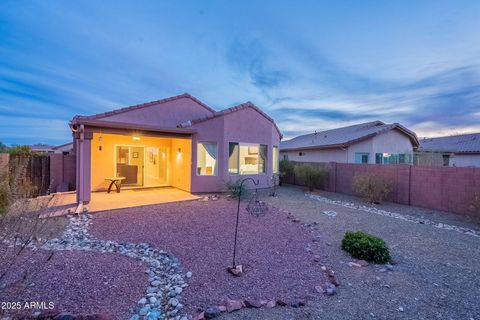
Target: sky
(311,65)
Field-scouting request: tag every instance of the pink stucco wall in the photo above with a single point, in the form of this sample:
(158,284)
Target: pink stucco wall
(163,115)
(62,172)
(247,126)
(440,188)
(244,124)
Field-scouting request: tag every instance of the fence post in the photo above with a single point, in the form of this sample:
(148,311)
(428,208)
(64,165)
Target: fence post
(409,184)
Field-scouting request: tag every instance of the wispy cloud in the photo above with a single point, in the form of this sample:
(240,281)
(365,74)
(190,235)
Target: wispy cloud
(312,66)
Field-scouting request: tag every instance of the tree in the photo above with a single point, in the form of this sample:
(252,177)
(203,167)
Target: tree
(3,147)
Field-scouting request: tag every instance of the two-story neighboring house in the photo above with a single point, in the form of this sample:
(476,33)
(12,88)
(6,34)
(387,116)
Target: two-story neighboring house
(371,142)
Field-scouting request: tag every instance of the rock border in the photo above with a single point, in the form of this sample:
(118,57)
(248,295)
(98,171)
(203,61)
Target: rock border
(404,217)
(162,299)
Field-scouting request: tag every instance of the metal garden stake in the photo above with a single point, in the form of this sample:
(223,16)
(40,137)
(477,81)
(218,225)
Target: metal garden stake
(252,209)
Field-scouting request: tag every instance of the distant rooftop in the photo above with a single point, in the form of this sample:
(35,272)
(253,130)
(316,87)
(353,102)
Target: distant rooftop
(344,136)
(463,143)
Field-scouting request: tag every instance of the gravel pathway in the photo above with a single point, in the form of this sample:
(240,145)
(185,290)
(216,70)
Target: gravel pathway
(435,275)
(276,252)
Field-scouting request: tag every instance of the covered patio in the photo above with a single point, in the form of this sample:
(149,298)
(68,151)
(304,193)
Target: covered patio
(127,198)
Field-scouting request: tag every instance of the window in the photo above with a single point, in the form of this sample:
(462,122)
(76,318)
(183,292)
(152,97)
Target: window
(207,159)
(247,158)
(378,158)
(361,157)
(446,160)
(262,158)
(233,153)
(275,159)
(285,157)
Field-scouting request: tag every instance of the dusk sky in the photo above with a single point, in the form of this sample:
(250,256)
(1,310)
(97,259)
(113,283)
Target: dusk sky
(311,65)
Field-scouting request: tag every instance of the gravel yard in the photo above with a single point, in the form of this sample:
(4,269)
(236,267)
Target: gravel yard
(77,282)
(271,247)
(435,275)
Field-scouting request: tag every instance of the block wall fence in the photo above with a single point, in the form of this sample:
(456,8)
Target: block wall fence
(441,188)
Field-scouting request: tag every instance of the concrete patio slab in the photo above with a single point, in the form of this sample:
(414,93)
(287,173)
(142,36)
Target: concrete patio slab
(127,198)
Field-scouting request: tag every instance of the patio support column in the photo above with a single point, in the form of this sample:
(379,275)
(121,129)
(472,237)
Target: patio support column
(83,161)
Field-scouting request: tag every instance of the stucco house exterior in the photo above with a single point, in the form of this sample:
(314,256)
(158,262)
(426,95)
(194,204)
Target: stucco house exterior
(179,142)
(455,151)
(371,142)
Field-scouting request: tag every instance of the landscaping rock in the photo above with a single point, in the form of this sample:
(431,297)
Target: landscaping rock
(237,271)
(281,302)
(64,316)
(189,274)
(233,305)
(212,312)
(354,264)
(251,303)
(363,263)
(271,304)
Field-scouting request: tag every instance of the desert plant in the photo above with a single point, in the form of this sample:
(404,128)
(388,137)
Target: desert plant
(20,150)
(286,168)
(474,206)
(234,188)
(311,176)
(4,194)
(364,246)
(371,188)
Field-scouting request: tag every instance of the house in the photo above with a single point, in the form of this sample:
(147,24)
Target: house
(64,149)
(371,142)
(457,151)
(179,142)
(42,148)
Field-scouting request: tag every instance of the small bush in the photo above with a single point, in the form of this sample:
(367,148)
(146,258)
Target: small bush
(364,246)
(4,195)
(312,177)
(20,150)
(474,206)
(286,168)
(234,188)
(371,188)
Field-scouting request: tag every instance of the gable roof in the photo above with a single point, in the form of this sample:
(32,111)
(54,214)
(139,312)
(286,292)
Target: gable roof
(463,143)
(243,106)
(344,136)
(140,106)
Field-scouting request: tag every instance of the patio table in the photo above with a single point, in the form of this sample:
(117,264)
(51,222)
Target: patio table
(117,181)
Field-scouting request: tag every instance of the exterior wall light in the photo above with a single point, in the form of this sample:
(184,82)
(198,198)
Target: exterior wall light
(136,138)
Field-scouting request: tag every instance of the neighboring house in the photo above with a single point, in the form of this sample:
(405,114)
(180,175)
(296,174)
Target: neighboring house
(178,142)
(371,142)
(42,148)
(457,151)
(65,149)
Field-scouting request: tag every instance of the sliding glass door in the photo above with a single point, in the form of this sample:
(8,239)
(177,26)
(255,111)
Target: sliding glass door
(129,163)
(156,166)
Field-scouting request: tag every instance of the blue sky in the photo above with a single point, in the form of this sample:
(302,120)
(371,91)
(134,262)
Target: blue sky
(311,65)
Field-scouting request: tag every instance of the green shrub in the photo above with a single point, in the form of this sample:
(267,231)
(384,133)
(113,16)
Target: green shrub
(364,246)
(286,169)
(20,150)
(371,188)
(4,195)
(234,188)
(311,176)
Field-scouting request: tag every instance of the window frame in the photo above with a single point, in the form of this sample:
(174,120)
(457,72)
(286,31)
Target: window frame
(277,164)
(248,144)
(215,168)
